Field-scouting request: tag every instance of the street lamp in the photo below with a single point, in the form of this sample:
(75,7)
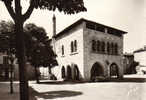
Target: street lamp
(11,58)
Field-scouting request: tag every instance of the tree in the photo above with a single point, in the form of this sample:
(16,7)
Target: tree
(15,11)
(38,48)
(7,45)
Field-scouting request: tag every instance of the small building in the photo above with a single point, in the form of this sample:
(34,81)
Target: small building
(5,69)
(86,50)
(140,56)
(129,63)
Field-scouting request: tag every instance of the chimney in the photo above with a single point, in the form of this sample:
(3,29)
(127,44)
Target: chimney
(54,33)
(54,25)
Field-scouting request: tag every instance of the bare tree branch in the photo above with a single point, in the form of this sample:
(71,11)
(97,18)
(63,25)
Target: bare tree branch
(29,10)
(10,10)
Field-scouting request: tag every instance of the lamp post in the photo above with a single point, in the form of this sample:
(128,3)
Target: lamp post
(11,58)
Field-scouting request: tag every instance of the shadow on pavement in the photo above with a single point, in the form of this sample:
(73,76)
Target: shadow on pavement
(52,94)
(134,80)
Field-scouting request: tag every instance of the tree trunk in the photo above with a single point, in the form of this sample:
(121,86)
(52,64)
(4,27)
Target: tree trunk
(20,53)
(36,75)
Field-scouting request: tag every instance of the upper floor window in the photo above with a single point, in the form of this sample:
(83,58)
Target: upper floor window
(108,48)
(112,48)
(93,45)
(102,47)
(62,49)
(116,49)
(98,46)
(74,46)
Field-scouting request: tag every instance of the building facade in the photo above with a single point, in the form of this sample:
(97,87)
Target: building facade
(86,50)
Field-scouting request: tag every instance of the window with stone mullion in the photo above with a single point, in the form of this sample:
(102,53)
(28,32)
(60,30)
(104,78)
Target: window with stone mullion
(93,45)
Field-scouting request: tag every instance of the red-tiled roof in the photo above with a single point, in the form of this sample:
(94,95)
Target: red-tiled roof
(87,21)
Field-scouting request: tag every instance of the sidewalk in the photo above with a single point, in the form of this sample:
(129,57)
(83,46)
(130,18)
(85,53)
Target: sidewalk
(5,91)
(132,87)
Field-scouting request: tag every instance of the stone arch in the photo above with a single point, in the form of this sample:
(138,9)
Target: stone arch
(96,70)
(76,72)
(69,73)
(63,72)
(114,70)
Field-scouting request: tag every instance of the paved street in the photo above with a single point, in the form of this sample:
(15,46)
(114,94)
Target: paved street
(131,88)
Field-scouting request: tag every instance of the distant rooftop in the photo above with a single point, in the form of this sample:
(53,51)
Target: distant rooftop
(128,54)
(140,50)
(91,24)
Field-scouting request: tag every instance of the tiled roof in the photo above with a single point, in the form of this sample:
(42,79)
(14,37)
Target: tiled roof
(87,21)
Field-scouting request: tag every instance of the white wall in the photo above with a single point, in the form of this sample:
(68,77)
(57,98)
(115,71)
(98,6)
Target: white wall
(140,57)
(69,58)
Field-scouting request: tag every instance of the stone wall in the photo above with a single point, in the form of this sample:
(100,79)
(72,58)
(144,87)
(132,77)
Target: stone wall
(104,59)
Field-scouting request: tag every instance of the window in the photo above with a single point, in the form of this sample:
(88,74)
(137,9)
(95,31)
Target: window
(75,45)
(93,45)
(112,48)
(98,46)
(102,47)
(116,49)
(62,49)
(72,46)
(108,48)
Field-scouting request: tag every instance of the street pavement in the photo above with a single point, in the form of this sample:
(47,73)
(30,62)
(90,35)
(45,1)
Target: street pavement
(133,87)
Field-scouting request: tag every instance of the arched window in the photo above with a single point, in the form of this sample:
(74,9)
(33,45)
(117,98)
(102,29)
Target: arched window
(116,49)
(75,45)
(62,49)
(63,72)
(102,47)
(93,45)
(108,48)
(98,46)
(112,48)
(72,46)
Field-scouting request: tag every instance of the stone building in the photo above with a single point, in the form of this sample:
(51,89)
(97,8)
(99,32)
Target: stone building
(87,50)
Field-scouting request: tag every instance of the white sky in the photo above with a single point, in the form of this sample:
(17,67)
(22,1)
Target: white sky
(127,15)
